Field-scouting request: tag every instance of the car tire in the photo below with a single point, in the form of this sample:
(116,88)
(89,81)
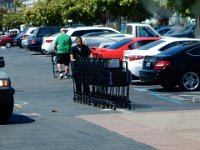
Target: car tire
(189,81)
(169,86)
(6,111)
(8,45)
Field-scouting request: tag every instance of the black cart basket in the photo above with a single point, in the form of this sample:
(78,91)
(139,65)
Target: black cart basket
(101,82)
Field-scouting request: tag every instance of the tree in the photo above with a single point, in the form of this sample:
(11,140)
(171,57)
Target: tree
(12,19)
(132,10)
(187,8)
(2,13)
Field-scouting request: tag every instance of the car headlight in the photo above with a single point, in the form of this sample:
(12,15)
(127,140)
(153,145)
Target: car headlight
(4,82)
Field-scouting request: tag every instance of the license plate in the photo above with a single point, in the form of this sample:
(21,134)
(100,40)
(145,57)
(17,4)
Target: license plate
(148,64)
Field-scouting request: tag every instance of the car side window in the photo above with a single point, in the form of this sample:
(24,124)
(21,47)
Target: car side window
(78,33)
(194,52)
(145,32)
(13,35)
(139,44)
(170,45)
(129,30)
(45,31)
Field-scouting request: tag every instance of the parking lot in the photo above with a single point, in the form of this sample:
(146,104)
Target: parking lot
(44,113)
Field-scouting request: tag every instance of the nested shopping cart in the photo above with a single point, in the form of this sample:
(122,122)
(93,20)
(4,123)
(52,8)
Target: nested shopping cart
(101,82)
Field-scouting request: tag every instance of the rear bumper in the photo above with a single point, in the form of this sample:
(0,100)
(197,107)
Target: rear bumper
(158,77)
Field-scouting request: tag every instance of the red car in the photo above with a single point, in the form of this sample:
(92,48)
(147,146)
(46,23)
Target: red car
(7,40)
(116,50)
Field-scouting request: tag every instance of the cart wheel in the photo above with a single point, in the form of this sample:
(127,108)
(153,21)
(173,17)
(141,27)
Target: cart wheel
(89,102)
(95,103)
(129,106)
(114,107)
(107,105)
(74,99)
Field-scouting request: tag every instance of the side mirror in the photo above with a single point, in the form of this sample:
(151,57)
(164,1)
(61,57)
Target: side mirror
(2,62)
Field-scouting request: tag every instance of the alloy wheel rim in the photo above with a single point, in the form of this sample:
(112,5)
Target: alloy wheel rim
(191,81)
(8,45)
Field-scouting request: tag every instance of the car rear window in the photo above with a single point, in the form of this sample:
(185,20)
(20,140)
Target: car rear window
(119,44)
(150,45)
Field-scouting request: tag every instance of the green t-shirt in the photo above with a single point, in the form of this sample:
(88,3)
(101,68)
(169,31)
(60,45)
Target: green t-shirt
(63,43)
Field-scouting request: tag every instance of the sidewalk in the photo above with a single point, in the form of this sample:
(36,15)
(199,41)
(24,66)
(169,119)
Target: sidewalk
(173,130)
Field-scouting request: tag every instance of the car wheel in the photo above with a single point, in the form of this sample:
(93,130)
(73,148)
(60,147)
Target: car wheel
(8,45)
(189,81)
(6,111)
(169,86)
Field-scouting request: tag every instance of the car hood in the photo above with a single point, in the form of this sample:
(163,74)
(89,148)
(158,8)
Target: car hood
(3,75)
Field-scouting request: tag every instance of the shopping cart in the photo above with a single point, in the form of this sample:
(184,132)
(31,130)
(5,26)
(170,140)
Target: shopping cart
(104,82)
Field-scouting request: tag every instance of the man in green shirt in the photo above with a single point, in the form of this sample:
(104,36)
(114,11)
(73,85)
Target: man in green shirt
(63,46)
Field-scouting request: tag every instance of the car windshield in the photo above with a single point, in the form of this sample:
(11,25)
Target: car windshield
(119,44)
(150,45)
(187,28)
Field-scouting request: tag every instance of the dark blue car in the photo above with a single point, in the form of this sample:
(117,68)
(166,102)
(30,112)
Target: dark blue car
(187,31)
(179,65)
(35,40)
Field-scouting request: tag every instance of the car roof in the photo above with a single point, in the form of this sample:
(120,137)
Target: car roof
(178,49)
(71,30)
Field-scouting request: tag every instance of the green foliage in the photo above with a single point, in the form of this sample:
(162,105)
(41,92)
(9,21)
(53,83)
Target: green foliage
(12,19)
(50,12)
(185,7)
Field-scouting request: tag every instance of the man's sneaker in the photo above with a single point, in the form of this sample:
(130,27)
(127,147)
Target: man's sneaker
(61,75)
(65,77)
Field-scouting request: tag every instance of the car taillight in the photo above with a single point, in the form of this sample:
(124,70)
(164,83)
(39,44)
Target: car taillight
(49,41)
(135,57)
(25,36)
(32,41)
(161,64)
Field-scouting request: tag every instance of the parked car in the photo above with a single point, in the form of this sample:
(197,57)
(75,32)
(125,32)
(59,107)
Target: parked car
(164,29)
(187,32)
(117,49)
(48,42)
(18,39)
(27,32)
(34,41)
(6,95)
(135,58)
(7,40)
(130,30)
(178,65)
(80,31)
(105,40)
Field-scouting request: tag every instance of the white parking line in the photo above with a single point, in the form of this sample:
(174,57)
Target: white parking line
(19,104)
(32,114)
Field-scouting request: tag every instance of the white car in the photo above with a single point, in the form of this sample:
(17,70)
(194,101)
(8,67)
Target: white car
(80,31)
(48,42)
(135,57)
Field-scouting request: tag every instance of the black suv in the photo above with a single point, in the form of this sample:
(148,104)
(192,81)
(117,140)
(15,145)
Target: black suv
(35,40)
(6,95)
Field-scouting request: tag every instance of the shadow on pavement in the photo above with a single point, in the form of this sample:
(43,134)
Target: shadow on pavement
(20,119)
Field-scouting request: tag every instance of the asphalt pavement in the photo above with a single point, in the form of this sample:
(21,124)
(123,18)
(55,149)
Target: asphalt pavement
(46,118)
